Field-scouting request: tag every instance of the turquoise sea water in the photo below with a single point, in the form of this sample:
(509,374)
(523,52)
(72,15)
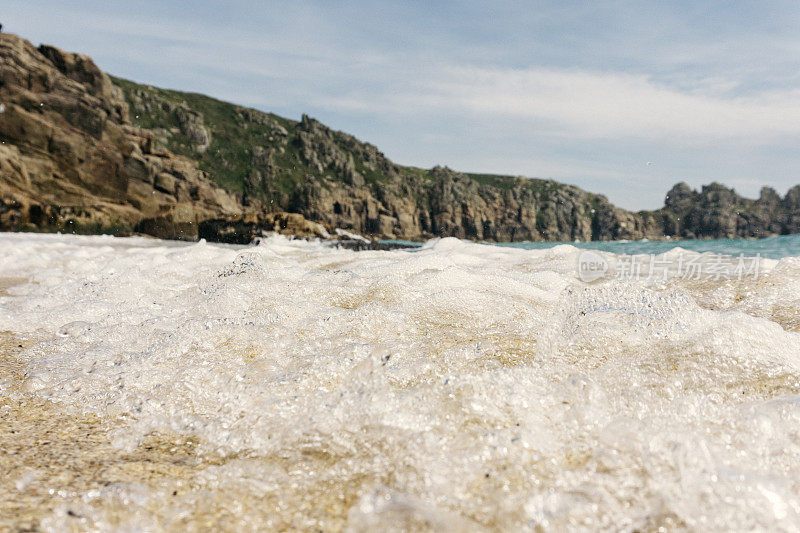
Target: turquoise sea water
(770,248)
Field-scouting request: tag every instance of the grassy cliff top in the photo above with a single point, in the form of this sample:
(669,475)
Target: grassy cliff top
(235,132)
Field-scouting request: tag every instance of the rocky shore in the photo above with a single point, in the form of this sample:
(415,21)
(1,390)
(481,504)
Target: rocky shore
(83,152)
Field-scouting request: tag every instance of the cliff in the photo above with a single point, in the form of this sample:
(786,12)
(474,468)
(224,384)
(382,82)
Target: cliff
(717,211)
(85,152)
(70,159)
(275,164)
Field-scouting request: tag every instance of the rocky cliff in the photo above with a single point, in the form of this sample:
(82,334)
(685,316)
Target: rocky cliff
(85,152)
(717,211)
(70,159)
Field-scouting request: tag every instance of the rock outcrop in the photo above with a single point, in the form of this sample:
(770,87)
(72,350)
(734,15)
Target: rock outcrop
(85,152)
(716,211)
(70,159)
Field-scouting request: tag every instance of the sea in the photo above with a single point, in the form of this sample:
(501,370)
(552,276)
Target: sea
(449,386)
(772,247)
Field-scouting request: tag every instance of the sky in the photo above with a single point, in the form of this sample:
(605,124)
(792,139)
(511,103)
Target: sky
(620,98)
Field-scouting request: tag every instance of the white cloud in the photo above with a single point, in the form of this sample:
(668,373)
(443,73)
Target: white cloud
(316,71)
(596,104)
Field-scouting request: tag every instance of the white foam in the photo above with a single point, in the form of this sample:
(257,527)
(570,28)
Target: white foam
(457,382)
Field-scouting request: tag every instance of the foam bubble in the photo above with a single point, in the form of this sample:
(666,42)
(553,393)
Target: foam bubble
(453,384)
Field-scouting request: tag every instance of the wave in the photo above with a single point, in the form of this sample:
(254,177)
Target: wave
(457,384)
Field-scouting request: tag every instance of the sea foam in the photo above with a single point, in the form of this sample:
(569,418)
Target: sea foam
(456,385)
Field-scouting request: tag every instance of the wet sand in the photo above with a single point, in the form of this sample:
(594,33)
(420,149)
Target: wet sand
(58,465)
(7,283)
(50,457)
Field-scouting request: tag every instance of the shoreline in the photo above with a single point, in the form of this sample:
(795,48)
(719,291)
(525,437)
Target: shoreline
(391,244)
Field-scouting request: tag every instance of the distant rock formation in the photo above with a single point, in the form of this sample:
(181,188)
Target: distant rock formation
(83,152)
(717,211)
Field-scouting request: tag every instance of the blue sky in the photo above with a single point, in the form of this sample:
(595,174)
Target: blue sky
(586,93)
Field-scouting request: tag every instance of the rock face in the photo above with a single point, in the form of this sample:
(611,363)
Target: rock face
(351,185)
(85,152)
(247,228)
(716,211)
(70,159)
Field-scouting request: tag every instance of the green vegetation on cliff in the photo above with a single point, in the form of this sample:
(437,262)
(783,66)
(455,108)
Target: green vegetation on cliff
(216,134)
(232,131)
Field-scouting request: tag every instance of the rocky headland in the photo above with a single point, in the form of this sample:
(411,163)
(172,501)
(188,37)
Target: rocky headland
(85,152)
